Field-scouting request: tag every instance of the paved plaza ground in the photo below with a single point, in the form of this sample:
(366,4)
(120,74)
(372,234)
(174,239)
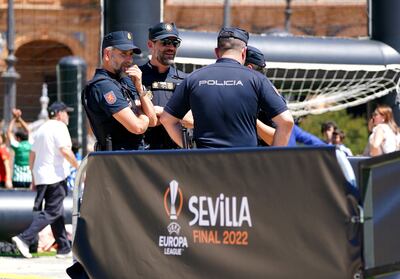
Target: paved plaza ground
(35,268)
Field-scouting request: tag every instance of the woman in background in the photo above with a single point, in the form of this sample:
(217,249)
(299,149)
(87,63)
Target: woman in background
(385,132)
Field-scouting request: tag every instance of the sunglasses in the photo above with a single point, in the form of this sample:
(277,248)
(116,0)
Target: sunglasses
(169,42)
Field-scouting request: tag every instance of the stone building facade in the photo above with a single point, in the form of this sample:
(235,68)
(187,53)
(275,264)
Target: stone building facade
(337,18)
(47,30)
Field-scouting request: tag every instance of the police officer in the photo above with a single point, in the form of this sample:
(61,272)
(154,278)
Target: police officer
(117,121)
(255,60)
(161,77)
(225,98)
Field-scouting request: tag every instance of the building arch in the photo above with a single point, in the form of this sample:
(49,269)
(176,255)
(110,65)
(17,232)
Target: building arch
(70,42)
(37,61)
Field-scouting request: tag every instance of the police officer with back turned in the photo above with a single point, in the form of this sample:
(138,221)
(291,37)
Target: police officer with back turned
(225,98)
(118,122)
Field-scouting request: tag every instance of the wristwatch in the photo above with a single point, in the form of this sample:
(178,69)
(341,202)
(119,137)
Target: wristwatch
(149,94)
(146,92)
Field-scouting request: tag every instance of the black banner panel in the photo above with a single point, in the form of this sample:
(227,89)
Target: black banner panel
(382,213)
(237,213)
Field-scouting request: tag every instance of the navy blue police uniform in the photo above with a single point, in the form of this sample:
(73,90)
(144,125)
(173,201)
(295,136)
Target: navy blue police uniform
(107,94)
(162,86)
(225,99)
(256,57)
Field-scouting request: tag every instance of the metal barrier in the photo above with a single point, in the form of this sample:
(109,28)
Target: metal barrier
(16,211)
(77,193)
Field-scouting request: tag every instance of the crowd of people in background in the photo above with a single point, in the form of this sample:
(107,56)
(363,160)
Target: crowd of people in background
(334,136)
(15,152)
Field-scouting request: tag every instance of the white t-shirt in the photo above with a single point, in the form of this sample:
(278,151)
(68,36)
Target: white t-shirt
(50,166)
(389,143)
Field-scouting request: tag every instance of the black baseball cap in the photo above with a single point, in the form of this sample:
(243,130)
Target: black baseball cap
(123,40)
(57,107)
(234,32)
(255,56)
(163,30)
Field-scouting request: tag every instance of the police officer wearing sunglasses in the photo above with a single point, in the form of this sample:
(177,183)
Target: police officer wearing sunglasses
(161,77)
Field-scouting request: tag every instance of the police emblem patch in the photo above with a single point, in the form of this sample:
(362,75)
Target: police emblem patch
(110,97)
(168,27)
(129,36)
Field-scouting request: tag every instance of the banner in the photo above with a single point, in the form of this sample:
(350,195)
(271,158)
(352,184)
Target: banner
(380,183)
(223,213)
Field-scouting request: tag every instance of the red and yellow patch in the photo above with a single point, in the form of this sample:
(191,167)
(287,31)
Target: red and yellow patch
(110,97)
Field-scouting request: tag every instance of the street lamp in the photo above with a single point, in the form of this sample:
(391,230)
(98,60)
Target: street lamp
(227,13)
(10,76)
(288,13)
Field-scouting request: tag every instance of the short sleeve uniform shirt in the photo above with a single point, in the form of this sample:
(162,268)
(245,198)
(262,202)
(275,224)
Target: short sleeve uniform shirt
(225,98)
(105,98)
(162,86)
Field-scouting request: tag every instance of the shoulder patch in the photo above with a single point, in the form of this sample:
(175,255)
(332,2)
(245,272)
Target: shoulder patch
(110,97)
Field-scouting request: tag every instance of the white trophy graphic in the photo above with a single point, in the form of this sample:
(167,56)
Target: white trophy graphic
(173,191)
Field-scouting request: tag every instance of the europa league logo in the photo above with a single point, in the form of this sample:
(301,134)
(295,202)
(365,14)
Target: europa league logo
(173,191)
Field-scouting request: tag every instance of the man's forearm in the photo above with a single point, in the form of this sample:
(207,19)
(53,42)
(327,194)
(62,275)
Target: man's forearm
(24,125)
(281,136)
(284,125)
(173,127)
(175,132)
(69,156)
(148,109)
(265,132)
(32,156)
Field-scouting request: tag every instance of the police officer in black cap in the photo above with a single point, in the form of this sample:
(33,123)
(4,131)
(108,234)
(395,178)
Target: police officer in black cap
(265,127)
(225,98)
(118,122)
(161,77)
(255,60)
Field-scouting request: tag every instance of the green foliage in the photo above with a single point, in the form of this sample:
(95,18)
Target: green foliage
(355,128)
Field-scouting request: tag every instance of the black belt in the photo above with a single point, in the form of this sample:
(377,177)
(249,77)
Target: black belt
(116,146)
